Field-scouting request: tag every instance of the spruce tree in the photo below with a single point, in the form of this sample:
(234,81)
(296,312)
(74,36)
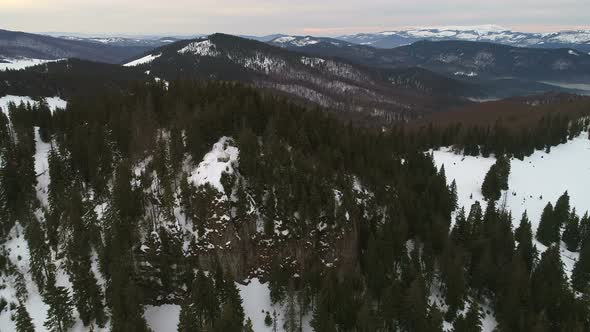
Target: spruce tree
(60,317)
(548,230)
(561,212)
(454,197)
(571,234)
(525,248)
(581,272)
(471,322)
(23,320)
(549,287)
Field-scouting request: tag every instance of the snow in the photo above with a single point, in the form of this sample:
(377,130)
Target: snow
(533,182)
(469,74)
(570,37)
(285,39)
(42,168)
(53,102)
(480,29)
(19,255)
(256,302)
(141,61)
(4,101)
(222,158)
(21,63)
(202,48)
(572,52)
(312,62)
(162,318)
(305,42)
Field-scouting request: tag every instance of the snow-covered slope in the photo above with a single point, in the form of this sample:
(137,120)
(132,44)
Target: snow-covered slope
(21,63)
(579,39)
(534,181)
(53,102)
(146,59)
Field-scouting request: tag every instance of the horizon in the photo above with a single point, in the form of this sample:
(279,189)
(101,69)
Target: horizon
(265,17)
(306,32)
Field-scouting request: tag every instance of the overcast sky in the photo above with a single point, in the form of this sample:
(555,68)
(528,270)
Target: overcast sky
(259,17)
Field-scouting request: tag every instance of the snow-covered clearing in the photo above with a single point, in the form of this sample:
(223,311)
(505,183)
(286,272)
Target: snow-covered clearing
(22,63)
(53,102)
(162,318)
(256,297)
(533,182)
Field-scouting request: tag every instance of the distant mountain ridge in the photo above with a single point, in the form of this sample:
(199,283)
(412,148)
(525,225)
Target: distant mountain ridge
(492,64)
(577,39)
(330,82)
(15,44)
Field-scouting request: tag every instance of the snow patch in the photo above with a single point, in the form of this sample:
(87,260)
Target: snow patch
(469,74)
(162,318)
(22,63)
(141,61)
(202,48)
(221,159)
(53,102)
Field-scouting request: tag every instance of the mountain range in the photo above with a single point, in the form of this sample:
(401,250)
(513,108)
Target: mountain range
(577,39)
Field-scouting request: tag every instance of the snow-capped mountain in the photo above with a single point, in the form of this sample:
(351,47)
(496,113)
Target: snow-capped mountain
(302,41)
(490,64)
(125,41)
(579,40)
(22,45)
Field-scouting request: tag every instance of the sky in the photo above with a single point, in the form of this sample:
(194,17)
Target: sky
(261,17)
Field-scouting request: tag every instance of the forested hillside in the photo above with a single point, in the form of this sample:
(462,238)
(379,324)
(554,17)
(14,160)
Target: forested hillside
(169,194)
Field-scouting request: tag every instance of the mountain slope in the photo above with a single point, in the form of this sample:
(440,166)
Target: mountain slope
(15,44)
(498,70)
(326,81)
(579,40)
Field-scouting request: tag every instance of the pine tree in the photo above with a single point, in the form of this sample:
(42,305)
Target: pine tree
(471,322)
(581,272)
(549,285)
(268,319)
(60,317)
(23,320)
(526,249)
(290,323)
(248,326)
(548,230)
(187,319)
(454,197)
(571,234)
(496,179)
(490,187)
(561,213)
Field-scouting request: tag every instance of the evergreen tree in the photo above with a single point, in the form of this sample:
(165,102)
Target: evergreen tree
(454,197)
(23,320)
(187,319)
(561,213)
(549,285)
(571,234)
(548,230)
(60,317)
(525,248)
(471,322)
(581,272)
